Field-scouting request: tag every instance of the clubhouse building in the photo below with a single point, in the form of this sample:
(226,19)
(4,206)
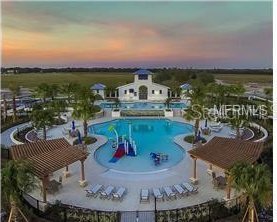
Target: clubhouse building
(143,88)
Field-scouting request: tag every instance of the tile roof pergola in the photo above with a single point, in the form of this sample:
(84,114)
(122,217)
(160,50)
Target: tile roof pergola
(48,156)
(224,153)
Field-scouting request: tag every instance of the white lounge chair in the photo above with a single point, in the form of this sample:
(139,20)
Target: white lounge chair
(169,192)
(93,191)
(215,124)
(107,192)
(157,194)
(190,188)
(118,195)
(144,195)
(216,128)
(180,190)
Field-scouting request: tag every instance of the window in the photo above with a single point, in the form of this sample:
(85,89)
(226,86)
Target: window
(97,91)
(131,90)
(161,92)
(142,77)
(135,93)
(153,91)
(125,91)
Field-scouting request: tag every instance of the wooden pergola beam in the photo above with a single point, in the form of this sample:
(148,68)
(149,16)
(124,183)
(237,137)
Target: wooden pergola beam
(48,156)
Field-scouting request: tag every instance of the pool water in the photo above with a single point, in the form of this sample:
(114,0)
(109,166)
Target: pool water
(144,105)
(150,135)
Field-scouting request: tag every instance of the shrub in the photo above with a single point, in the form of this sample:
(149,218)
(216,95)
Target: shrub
(190,139)
(87,140)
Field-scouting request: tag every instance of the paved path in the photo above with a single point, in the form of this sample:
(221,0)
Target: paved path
(72,194)
(5,136)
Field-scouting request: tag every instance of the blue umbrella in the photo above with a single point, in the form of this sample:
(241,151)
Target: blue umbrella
(79,137)
(206,123)
(199,136)
(73,125)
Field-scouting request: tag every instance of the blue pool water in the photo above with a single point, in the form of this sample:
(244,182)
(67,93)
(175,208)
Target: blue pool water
(150,135)
(144,105)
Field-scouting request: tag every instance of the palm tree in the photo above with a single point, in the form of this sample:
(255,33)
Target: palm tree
(43,91)
(196,111)
(109,91)
(58,107)
(69,89)
(175,88)
(238,90)
(5,107)
(255,182)
(15,89)
(83,108)
(222,91)
(212,90)
(238,121)
(16,179)
(117,102)
(268,92)
(54,89)
(42,117)
(167,102)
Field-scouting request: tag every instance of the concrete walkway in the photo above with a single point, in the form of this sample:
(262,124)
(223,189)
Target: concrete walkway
(5,136)
(71,193)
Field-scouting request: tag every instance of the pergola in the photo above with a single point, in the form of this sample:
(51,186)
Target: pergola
(48,156)
(224,153)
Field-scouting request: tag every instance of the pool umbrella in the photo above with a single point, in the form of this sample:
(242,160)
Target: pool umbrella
(206,123)
(199,136)
(79,137)
(73,125)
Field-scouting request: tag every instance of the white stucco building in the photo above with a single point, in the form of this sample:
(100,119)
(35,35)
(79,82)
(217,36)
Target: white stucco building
(98,89)
(143,88)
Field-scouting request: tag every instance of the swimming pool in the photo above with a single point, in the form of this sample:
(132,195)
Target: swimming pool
(150,136)
(144,105)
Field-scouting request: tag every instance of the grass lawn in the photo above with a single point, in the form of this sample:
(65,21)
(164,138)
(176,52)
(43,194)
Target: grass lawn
(32,80)
(245,78)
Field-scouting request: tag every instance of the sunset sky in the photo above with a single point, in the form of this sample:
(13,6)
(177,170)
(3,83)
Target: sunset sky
(137,34)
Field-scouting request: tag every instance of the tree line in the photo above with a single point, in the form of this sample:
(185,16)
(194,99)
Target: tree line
(19,70)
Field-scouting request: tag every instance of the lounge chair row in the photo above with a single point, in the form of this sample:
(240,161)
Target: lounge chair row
(170,192)
(106,193)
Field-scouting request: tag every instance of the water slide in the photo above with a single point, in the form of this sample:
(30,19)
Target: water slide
(120,152)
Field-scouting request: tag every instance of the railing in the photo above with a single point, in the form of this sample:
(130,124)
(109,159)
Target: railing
(208,211)
(5,153)
(17,130)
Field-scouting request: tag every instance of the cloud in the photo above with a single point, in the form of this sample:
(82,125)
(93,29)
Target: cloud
(79,35)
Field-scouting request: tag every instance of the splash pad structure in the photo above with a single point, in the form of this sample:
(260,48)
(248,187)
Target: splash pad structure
(124,147)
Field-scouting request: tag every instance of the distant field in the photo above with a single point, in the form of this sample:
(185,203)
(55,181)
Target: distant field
(31,80)
(245,78)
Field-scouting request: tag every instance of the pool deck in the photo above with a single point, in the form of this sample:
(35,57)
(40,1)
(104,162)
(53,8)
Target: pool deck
(71,193)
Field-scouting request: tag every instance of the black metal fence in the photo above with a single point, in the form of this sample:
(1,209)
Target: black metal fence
(5,153)
(205,212)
